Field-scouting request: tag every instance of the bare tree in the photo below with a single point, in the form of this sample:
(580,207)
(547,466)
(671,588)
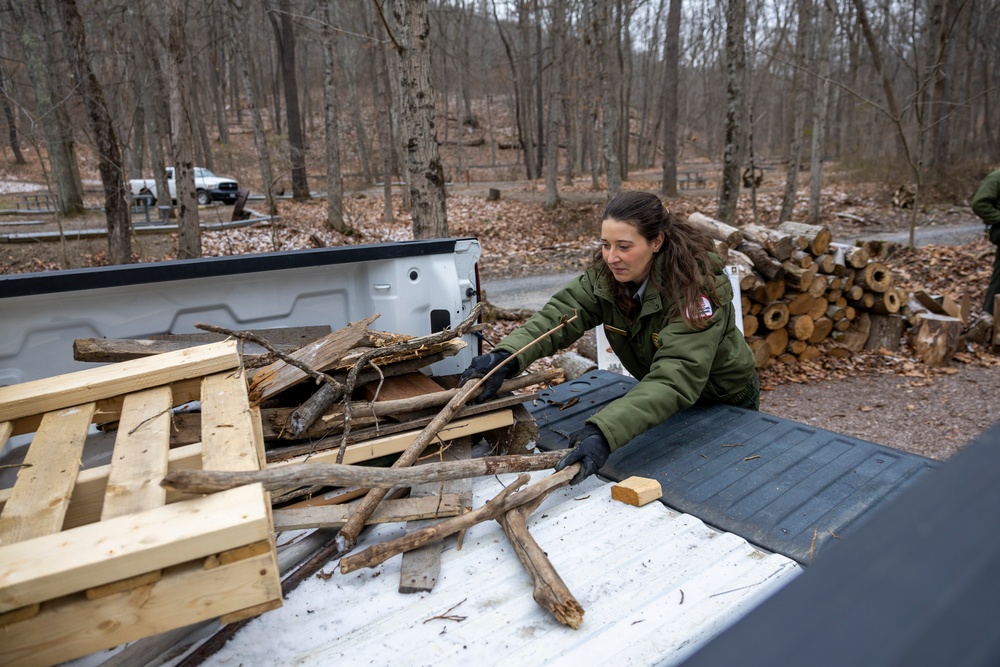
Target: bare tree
(605,30)
(9,116)
(820,108)
(736,12)
(798,110)
(558,22)
(410,35)
(334,184)
(284,36)
(179,69)
(109,154)
(671,91)
(33,30)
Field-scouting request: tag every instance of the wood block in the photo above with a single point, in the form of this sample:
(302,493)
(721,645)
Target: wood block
(636,491)
(400,387)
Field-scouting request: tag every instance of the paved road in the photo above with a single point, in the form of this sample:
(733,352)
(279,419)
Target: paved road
(533,292)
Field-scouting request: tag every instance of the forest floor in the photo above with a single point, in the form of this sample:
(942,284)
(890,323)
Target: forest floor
(888,398)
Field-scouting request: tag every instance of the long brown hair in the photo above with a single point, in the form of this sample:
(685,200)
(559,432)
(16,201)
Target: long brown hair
(683,268)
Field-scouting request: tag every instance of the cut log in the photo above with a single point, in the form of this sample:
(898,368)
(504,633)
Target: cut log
(720,231)
(886,333)
(875,277)
(800,303)
(574,365)
(801,258)
(818,236)
(775,289)
(886,303)
(778,245)
(819,285)
(798,277)
(761,351)
(825,263)
(801,327)
(766,266)
(935,338)
(750,325)
(775,316)
(821,329)
(856,257)
(777,341)
(811,352)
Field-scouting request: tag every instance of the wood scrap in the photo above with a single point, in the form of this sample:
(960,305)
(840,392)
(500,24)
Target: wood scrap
(504,502)
(335,474)
(388,511)
(548,588)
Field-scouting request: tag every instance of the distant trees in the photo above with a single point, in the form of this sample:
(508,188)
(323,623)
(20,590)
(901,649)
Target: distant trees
(495,90)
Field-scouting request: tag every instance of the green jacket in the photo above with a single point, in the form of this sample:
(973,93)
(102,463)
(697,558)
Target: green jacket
(675,364)
(986,201)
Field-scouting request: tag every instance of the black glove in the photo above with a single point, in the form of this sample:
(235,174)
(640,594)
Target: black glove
(590,448)
(482,365)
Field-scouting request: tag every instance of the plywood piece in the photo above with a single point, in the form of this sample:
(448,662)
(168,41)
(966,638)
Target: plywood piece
(72,627)
(41,493)
(388,511)
(400,386)
(228,434)
(636,491)
(128,546)
(139,460)
(93,384)
(421,567)
(6,428)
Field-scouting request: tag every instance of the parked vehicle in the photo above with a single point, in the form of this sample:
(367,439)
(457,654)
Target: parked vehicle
(209,186)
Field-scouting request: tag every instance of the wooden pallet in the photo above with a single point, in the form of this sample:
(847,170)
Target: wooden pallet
(95,558)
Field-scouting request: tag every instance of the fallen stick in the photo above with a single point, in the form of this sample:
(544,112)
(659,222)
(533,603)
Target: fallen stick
(336,474)
(349,533)
(504,502)
(549,591)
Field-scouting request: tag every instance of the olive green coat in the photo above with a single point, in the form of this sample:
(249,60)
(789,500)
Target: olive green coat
(675,364)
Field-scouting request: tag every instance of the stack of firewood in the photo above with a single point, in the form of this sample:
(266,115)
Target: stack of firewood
(803,295)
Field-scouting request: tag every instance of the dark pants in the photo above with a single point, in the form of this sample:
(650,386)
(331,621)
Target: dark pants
(749,398)
(994,287)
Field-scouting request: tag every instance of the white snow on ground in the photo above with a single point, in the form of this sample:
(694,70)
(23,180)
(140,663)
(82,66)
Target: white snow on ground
(14,187)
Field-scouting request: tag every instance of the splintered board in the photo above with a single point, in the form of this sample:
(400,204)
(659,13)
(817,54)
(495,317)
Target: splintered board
(90,559)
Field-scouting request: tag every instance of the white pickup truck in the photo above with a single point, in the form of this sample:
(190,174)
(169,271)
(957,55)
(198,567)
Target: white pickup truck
(209,186)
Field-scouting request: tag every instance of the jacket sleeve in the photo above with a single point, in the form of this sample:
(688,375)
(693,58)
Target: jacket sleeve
(676,379)
(986,201)
(575,299)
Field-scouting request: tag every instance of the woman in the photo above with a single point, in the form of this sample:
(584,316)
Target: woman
(659,289)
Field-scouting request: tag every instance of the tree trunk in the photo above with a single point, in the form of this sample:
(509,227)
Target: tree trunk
(179,68)
(819,115)
(109,154)
(32,20)
(259,138)
(732,148)
(555,93)
(8,112)
(334,183)
(798,111)
(671,92)
(285,39)
(604,27)
(385,136)
(419,130)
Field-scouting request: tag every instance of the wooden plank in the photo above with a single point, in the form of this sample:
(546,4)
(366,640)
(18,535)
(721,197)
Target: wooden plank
(6,428)
(139,460)
(85,505)
(93,384)
(228,435)
(394,444)
(388,511)
(281,337)
(421,567)
(41,493)
(127,546)
(72,627)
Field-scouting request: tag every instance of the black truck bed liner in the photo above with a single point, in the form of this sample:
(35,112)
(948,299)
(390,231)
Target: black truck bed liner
(784,486)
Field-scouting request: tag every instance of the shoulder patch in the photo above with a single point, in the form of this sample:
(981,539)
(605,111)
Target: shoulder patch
(701,308)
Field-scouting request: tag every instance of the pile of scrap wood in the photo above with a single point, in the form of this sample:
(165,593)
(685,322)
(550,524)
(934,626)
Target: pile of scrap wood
(804,295)
(299,416)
